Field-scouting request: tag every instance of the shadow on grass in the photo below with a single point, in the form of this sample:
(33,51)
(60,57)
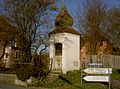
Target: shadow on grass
(67,81)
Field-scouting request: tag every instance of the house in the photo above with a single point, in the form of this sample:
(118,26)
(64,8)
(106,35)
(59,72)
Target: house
(11,54)
(8,49)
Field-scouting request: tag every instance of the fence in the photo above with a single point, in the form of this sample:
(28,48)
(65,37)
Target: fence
(107,60)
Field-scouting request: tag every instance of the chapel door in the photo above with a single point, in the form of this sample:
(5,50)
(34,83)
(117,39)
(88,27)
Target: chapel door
(58,56)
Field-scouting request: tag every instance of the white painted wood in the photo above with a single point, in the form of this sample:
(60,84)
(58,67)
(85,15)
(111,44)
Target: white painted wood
(98,70)
(96,78)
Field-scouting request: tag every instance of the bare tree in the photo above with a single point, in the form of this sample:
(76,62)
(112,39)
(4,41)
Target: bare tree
(92,22)
(114,28)
(28,16)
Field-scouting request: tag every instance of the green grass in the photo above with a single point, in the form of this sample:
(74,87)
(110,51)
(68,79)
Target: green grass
(115,75)
(72,81)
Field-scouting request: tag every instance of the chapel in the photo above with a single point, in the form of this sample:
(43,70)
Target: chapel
(64,43)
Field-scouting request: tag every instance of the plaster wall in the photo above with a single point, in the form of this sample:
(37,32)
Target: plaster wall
(70,50)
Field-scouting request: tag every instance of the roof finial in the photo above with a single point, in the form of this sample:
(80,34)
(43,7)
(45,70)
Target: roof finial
(63,3)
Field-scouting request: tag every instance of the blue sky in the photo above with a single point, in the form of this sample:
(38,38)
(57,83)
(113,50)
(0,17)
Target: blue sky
(72,5)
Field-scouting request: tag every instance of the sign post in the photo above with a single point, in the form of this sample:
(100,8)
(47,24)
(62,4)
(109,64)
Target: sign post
(98,70)
(96,78)
(97,74)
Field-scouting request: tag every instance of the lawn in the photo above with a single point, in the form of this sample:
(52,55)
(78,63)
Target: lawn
(72,81)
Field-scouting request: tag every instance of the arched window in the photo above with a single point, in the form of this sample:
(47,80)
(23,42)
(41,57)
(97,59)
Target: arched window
(58,49)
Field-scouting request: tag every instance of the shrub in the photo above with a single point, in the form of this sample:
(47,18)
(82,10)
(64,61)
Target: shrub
(38,72)
(24,72)
(41,65)
(13,66)
(118,70)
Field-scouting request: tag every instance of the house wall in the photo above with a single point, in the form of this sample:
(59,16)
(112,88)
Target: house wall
(70,50)
(6,61)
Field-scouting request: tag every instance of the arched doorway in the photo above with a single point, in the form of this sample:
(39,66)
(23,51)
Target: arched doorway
(58,56)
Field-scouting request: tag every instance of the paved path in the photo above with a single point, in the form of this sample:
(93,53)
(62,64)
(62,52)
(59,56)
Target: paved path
(7,86)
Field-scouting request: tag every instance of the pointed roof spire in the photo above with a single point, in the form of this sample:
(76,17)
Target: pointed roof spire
(64,22)
(63,3)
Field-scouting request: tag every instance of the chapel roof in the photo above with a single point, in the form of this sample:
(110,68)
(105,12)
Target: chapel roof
(64,30)
(64,22)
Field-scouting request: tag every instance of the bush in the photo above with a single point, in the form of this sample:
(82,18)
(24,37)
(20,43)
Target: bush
(24,72)
(13,66)
(118,70)
(41,65)
(38,72)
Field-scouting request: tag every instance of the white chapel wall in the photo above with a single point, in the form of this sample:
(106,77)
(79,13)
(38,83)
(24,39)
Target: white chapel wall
(72,43)
(70,52)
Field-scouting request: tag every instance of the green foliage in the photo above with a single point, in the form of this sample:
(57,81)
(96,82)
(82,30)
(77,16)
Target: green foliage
(73,76)
(58,82)
(116,74)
